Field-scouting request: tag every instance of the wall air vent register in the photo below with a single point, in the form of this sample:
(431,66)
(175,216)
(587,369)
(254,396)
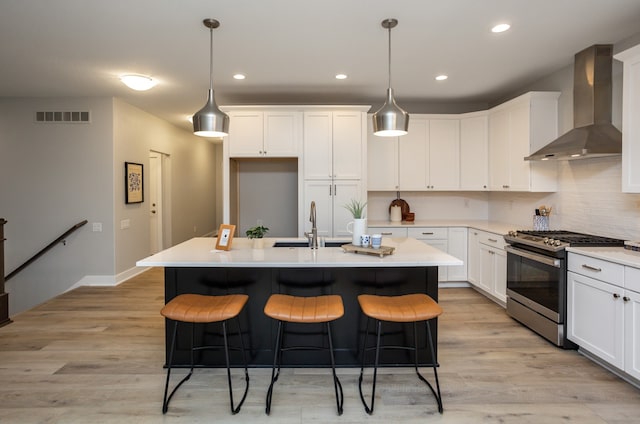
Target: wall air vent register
(63,117)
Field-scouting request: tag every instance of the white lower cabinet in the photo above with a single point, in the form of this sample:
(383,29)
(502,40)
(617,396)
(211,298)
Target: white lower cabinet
(487,263)
(603,314)
(451,240)
(388,232)
(595,317)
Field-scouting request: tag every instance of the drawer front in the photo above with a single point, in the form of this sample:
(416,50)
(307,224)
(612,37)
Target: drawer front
(596,268)
(429,233)
(388,231)
(491,239)
(632,278)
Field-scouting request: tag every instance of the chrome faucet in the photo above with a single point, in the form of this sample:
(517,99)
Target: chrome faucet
(313,237)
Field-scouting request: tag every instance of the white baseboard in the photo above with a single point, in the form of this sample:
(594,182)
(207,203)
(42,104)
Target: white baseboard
(108,280)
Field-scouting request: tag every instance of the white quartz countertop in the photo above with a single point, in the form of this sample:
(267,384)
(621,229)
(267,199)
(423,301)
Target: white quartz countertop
(618,255)
(200,252)
(490,226)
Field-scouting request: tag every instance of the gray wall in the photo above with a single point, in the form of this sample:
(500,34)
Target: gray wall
(55,175)
(268,191)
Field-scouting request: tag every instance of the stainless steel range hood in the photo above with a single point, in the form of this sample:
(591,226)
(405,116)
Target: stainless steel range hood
(593,135)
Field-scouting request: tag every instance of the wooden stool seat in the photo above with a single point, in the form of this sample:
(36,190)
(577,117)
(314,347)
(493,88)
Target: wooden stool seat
(406,308)
(304,309)
(201,308)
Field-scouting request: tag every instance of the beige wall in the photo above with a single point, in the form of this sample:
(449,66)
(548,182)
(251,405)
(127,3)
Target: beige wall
(192,182)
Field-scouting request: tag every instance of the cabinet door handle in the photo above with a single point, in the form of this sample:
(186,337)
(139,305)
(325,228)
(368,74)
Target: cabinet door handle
(427,234)
(335,190)
(626,298)
(387,234)
(616,296)
(591,268)
(329,189)
(493,240)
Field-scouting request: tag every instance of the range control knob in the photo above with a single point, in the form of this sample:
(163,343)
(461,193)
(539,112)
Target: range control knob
(513,233)
(546,240)
(557,243)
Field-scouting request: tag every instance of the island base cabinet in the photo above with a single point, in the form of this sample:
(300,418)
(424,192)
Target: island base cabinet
(595,317)
(260,330)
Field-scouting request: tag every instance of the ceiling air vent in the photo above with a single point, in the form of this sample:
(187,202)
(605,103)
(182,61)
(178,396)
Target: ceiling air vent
(63,117)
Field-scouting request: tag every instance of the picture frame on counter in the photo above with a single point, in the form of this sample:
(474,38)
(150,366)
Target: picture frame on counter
(225,236)
(133,183)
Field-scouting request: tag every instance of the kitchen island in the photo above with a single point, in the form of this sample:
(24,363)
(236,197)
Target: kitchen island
(194,266)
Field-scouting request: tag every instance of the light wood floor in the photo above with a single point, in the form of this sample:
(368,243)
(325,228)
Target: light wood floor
(95,355)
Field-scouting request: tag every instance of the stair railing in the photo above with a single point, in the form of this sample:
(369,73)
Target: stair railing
(61,239)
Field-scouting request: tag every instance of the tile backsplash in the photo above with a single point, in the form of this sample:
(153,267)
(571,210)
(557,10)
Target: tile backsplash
(589,200)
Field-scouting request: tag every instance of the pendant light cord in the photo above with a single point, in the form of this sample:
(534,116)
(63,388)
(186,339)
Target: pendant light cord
(211,59)
(389,57)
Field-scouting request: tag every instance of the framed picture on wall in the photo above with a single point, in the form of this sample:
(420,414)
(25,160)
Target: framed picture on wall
(133,183)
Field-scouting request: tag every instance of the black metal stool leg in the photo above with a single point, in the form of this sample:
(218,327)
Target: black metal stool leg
(274,377)
(165,403)
(434,364)
(368,409)
(234,410)
(336,382)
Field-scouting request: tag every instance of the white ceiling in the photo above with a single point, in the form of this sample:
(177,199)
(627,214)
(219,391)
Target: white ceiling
(291,50)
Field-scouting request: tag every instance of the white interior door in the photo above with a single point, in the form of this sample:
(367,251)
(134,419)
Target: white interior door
(155,202)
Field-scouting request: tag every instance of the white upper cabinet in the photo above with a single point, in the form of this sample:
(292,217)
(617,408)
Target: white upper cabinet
(474,151)
(630,122)
(518,128)
(256,133)
(444,154)
(413,150)
(382,161)
(427,158)
(334,145)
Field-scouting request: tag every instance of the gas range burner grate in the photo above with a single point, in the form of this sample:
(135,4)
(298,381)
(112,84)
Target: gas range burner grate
(575,239)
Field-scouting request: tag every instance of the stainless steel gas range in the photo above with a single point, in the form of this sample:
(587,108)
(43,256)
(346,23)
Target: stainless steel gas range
(537,279)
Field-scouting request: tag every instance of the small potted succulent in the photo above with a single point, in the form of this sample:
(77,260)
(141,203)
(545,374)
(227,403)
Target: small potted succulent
(256,234)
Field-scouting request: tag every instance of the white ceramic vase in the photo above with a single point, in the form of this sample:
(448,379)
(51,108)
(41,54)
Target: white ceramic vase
(356,228)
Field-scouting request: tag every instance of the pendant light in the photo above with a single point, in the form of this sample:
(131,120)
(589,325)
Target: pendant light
(390,120)
(210,121)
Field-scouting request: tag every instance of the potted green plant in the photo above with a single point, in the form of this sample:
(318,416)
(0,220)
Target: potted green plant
(356,208)
(358,226)
(257,233)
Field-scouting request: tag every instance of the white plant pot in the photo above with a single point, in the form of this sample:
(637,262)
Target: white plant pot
(356,228)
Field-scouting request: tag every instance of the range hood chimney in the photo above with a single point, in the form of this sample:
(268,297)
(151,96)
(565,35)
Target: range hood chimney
(593,135)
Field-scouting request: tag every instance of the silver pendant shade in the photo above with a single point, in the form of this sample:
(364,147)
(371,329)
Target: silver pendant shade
(390,120)
(210,121)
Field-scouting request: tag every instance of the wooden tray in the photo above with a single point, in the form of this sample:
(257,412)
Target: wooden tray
(381,251)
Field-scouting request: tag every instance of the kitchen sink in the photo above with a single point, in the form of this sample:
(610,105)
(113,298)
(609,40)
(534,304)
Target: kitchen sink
(332,243)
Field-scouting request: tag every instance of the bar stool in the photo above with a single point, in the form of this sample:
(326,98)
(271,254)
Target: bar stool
(410,308)
(295,309)
(196,308)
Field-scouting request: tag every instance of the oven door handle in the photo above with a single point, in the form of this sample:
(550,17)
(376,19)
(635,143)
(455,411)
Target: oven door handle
(533,256)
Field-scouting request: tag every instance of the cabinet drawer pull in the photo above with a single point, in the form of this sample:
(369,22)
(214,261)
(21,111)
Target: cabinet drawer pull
(626,298)
(616,296)
(427,234)
(591,268)
(387,234)
(493,240)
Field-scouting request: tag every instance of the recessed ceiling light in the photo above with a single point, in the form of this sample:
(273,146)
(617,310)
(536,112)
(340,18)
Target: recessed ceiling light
(138,82)
(341,76)
(441,77)
(500,28)
(239,76)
